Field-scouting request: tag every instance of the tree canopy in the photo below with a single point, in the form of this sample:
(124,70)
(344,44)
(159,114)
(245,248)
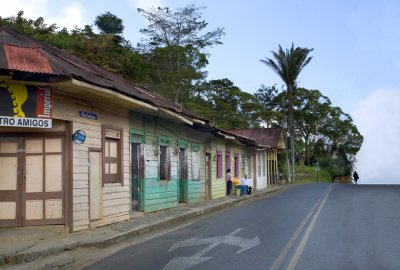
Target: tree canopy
(288,64)
(172,61)
(174,47)
(179,27)
(108,23)
(323,132)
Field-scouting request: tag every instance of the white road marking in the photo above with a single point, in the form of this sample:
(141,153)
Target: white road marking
(282,256)
(293,262)
(182,263)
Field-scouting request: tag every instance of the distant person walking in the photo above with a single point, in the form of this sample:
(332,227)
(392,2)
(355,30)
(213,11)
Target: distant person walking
(355,177)
(228,178)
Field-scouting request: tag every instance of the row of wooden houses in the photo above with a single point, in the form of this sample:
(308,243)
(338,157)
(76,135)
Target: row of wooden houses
(85,148)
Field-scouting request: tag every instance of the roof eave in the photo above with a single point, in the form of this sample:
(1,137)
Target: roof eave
(114,94)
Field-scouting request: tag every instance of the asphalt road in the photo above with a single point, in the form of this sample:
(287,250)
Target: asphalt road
(313,226)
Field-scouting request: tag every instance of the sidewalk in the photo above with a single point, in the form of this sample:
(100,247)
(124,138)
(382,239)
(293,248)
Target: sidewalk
(26,244)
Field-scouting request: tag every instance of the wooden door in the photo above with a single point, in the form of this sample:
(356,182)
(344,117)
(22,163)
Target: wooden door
(11,177)
(43,185)
(95,185)
(32,180)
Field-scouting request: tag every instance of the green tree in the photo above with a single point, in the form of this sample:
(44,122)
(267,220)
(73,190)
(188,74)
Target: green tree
(108,23)
(288,64)
(169,81)
(176,38)
(35,28)
(323,132)
(226,105)
(310,115)
(265,96)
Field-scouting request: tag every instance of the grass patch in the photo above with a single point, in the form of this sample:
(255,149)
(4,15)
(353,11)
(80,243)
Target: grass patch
(306,174)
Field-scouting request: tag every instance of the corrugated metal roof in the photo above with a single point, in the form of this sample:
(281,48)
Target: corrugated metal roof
(41,62)
(262,136)
(40,58)
(26,59)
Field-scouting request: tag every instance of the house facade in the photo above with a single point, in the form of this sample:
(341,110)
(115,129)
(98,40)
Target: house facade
(167,162)
(47,177)
(84,148)
(270,142)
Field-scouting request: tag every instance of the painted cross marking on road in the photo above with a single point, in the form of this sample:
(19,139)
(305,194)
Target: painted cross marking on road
(182,263)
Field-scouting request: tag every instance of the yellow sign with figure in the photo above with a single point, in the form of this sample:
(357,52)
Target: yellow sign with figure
(25,106)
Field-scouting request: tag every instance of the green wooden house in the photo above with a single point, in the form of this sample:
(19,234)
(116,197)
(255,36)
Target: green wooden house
(167,161)
(176,160)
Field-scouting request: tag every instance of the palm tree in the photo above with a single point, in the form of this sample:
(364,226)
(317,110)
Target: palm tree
(288,64)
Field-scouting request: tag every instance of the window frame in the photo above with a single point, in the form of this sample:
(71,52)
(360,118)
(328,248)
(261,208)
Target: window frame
(227,160)
(107,178)
(164,174)
(164,143)
(236,164)
(249,171)
(195,158)
(219,163)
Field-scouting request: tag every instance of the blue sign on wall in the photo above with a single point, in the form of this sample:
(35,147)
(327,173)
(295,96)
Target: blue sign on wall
(88,115)
(79,137)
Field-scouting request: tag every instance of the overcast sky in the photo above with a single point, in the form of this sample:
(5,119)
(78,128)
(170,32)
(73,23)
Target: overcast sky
(356,54)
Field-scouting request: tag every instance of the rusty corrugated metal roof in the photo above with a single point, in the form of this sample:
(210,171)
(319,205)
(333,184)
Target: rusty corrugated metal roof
(15,46)
(26,59)
(262,136)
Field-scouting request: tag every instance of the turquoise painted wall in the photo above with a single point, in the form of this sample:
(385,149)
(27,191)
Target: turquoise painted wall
(194,191)
(156,194)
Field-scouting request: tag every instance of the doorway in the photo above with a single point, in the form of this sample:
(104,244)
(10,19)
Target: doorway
(32,180)
(255,170)
(183,176)
(95,184)
(208,176)
(137,166)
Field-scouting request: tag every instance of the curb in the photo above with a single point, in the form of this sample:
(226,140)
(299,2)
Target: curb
(20,258)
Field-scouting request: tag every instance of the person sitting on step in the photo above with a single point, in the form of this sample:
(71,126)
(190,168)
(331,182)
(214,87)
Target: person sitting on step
(246,189)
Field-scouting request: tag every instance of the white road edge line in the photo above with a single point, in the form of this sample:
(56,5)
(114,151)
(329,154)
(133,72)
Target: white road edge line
(279,260)
(293,262)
